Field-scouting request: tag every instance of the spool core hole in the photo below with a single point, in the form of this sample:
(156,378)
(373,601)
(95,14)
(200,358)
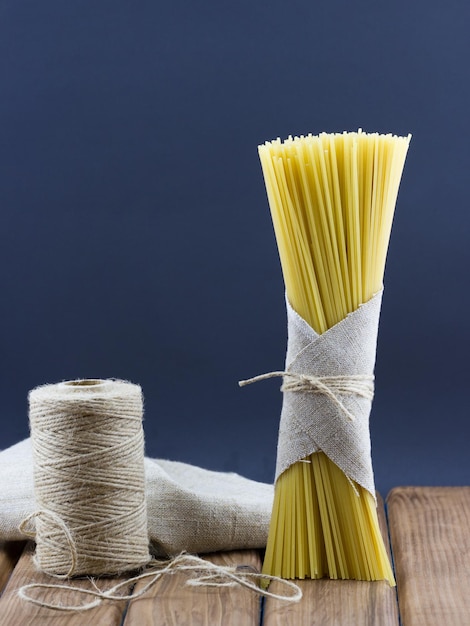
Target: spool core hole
(84,383)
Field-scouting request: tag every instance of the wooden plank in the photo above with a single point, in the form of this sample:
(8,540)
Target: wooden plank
(16,612)
(10,552)
(430,533)
(172,603)
(338,602)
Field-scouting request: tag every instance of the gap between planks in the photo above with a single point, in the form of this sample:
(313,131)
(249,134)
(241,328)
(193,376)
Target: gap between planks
(10,552)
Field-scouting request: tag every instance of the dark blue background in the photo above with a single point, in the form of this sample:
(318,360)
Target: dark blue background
(136,239)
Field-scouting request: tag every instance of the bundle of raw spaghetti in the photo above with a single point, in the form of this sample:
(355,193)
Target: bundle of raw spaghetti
(332,199)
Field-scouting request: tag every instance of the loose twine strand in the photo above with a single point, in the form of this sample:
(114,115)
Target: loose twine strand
(330,386)
(207,575)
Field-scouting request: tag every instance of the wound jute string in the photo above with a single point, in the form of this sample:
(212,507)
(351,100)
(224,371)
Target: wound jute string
(89,486)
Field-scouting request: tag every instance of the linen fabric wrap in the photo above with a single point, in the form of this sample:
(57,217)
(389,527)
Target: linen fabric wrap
(311,422)
(188,508)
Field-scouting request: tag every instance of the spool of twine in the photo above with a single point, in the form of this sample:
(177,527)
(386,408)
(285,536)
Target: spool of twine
(88,450)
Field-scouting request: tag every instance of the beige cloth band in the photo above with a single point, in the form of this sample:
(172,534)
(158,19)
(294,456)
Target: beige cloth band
(311,422)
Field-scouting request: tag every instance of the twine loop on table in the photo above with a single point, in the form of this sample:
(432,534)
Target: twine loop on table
(51,517)
(330,386)
(206,574)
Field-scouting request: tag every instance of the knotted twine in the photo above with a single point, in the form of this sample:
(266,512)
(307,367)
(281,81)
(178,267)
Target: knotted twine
(205,574)
(88,452)
(328,392)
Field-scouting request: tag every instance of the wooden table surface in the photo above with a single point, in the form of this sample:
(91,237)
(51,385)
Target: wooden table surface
(429,530)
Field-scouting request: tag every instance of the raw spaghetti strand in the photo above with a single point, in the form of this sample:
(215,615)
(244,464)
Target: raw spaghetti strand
(332,199)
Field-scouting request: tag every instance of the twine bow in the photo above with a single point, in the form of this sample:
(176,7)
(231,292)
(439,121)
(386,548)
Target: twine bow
(330,386)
